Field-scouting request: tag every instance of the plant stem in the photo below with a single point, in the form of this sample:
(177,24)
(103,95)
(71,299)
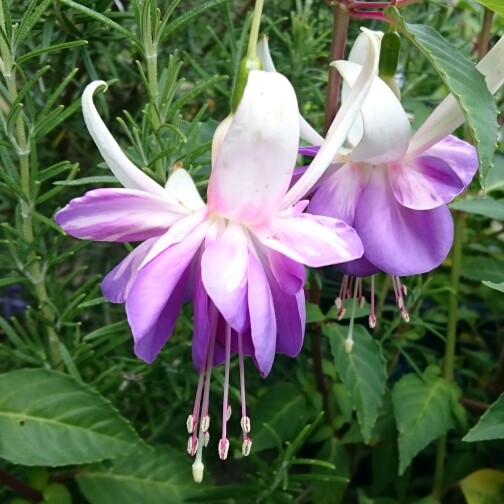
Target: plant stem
(21,488)
(27,204)
(451,339)
(340,27)
(254,29)
(151,54)
(484,36)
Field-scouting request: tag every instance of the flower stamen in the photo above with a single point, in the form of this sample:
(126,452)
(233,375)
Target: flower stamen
(226,410)
(245,420)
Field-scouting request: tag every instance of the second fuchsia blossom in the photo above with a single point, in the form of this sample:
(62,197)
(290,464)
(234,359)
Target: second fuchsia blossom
(240,257)
(388,184)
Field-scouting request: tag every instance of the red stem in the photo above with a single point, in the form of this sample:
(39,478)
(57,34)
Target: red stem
(340,28)
(21,488)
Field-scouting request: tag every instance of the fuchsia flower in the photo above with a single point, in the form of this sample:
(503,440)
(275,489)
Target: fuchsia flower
(240,257)
(390,185)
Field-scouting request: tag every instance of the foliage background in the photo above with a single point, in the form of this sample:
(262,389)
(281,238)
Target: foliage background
(54,317)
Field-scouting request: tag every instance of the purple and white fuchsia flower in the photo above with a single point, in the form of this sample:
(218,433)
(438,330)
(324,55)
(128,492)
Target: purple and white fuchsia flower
(240,257)
(390,185)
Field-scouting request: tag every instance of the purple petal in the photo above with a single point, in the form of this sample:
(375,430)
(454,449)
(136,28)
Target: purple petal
(178,232)
(262,317)
(359,268)
(338,194)
(424,183)
(312,240)
(202,322)
(290,314)
(157,294)
(224,274)
(289,274)
(309,150)
(396,239)
(118,215)
(459,155)
(116,285)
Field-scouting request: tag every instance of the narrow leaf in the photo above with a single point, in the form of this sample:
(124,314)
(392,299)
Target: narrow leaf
(160,476)
(467,85)
(362,371)
(32,15)
(53,48)
(50,419)
(190,14)
(490,425)
(101,19)
(423,409)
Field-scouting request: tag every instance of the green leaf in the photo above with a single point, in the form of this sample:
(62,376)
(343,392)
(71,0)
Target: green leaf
(488,207)
(490,425)
(423,409)
(485,486)
(50,419)
(497,286)
(495,180)
(101,19)
(314,313)
(283,409)
(32,15)
(190,14)
(50,49)
(163,475)
(483,268)
(97,180)
(496,5)
(56,494)
(362,371)
(467,85)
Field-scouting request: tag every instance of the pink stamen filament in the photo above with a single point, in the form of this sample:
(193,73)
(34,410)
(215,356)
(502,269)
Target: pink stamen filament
(245,421)
(192,421)
(224,444)
(196,443)
(398,289)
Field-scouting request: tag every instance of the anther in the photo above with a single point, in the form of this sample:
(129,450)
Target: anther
(192,445)
(229,411)
(206,439)
(245,424)
(223,448)
(190,424)
(246,446)
(205,423)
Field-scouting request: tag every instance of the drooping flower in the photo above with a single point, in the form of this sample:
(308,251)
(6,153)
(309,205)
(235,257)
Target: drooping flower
(240,257)
(390,185)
